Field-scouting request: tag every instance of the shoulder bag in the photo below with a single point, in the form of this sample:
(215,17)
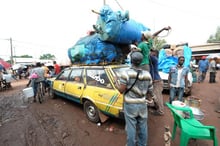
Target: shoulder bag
(138,72)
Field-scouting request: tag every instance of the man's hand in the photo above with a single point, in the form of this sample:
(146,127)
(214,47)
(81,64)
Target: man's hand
(167,28)
(149,101)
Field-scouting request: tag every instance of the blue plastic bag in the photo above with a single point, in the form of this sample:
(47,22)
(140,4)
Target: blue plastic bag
(165,62)
(91,50)
(116,27)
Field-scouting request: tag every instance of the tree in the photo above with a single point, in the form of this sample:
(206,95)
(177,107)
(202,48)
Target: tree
(215,38)
(159,43)
(47,56)
(23,56)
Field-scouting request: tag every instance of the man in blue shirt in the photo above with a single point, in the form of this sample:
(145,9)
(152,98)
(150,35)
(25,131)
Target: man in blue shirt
(157,83)
(203,68)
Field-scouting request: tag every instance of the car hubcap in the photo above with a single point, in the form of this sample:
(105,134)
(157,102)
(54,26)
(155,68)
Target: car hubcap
(91,111)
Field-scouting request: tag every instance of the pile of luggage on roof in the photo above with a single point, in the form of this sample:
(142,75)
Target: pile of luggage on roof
(168,56)
(110,41)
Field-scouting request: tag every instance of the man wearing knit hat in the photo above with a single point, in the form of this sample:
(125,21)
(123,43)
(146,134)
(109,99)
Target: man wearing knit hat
(146,44)
(135,83)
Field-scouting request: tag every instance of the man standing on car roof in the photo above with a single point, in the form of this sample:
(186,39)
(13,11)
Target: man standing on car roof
(135,83)
(178,80)
(146,44)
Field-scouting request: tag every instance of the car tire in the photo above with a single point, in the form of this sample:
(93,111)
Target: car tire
(91,111)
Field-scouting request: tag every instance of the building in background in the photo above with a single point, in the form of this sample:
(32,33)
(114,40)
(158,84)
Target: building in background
(205,50)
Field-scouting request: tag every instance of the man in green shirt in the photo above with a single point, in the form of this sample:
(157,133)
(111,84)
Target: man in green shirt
(146,44)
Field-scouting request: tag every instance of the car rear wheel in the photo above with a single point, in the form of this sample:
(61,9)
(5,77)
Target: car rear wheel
(91,111)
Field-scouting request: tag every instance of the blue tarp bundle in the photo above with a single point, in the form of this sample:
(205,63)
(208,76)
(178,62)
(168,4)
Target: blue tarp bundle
(165,62)
(187,54)
(113,29)
(116,27)
(91,50)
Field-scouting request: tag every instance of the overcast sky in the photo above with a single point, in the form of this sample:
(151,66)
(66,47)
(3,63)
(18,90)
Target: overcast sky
(52,26)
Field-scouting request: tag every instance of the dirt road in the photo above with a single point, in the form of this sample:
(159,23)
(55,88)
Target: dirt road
(60,122)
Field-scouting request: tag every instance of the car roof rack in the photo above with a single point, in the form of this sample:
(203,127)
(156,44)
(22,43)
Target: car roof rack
(99,64)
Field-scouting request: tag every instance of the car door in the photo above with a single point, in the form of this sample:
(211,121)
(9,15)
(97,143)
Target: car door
(101,92)
(75,85)
(60,82)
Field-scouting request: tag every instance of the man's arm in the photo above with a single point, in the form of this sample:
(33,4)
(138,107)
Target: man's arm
(186,83)
(159,31)
(186,80)
(121,87)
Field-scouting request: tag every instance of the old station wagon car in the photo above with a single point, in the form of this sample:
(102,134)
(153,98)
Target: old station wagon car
(92,86)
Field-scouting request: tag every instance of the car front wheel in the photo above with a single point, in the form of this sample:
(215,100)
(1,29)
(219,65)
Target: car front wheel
(51,93)
(91,111)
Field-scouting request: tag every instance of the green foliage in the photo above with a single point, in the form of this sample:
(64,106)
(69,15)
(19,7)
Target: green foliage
(158,43)
(216,37)
(23,56)
(47,56)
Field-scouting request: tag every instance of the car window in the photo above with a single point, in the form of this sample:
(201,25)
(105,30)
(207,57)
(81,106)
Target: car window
(118,71)
(64,75)
(76,75)
(97,77)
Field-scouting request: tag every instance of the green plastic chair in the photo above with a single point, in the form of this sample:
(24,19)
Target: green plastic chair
(190,127)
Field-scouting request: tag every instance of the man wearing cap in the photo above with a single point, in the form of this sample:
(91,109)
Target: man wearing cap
(134,84)
(146,44)
(203,68)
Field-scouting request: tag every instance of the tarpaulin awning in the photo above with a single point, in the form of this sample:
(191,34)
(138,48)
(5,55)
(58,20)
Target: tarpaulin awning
(17,66)
(211,56)
(5,64)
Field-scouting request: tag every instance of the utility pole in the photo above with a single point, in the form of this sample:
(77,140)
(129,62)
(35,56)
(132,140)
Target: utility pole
(11,52)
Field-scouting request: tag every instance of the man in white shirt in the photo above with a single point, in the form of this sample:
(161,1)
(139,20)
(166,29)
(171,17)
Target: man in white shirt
(178,80)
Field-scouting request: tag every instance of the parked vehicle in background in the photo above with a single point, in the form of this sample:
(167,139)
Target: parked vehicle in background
(93,87)
(218,66)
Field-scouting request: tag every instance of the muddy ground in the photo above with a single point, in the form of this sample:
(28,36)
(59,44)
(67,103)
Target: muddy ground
(59,122)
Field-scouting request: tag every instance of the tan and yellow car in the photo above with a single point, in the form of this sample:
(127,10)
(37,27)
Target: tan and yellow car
(92,86)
